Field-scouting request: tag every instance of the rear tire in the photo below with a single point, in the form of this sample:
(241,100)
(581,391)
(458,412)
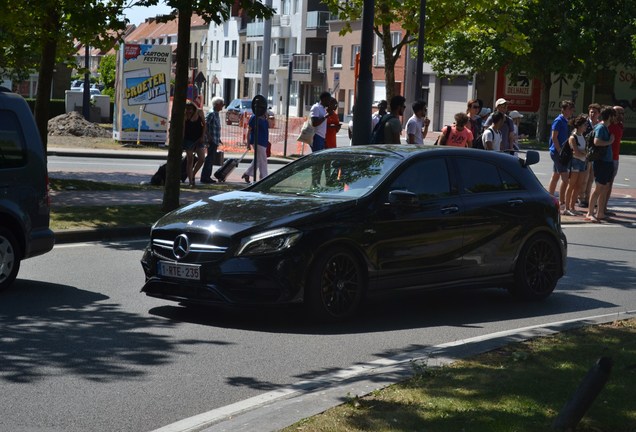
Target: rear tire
(336,285)
(538,269)
(9,259)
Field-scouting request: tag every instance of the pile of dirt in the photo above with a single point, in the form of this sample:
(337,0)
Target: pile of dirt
(75,124)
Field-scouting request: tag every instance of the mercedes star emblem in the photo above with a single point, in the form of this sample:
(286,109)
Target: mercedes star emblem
(181,246)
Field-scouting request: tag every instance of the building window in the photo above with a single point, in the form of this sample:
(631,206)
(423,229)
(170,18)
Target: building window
(216,54)
(355,50)
(336,56)
(379,49)
(226,51)
(234,45)
(293,93)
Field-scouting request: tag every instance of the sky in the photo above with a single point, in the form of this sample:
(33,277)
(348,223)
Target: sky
(138,14)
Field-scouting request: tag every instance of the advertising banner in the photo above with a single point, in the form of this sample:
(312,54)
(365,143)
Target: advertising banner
(522,92)
(142,93)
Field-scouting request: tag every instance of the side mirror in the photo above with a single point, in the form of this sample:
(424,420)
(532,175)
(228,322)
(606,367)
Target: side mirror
(532,157)
(403,198)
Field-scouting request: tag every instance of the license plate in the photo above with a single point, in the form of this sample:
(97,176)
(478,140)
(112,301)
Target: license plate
(181,271)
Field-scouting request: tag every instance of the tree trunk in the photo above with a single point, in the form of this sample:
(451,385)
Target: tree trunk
(45,76)
(543,131)
(175,140)
(389,62)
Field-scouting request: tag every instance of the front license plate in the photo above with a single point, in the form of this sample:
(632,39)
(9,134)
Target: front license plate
(181,271)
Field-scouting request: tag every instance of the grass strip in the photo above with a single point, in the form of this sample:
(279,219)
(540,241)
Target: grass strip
(84,217)
(520,387)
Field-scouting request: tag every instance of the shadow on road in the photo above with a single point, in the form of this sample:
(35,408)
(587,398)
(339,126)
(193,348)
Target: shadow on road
(50,329)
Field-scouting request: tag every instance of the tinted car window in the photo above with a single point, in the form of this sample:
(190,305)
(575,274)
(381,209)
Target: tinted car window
(479,176)
(330,173)
(427,179)
(12,145)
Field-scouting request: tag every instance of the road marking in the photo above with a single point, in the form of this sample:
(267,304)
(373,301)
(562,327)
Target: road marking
(405,360)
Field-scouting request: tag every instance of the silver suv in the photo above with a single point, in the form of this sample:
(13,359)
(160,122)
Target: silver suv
(24,188)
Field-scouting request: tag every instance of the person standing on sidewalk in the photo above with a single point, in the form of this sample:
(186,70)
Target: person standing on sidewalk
(558,138)
(333,124)
(193,140)
(507,130)
(604,168)
(417,125)
(593,117)
(260,139)
(616,129)
(213,135)
(318,115)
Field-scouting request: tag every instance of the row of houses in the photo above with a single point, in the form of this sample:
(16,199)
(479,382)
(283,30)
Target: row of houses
(305,54)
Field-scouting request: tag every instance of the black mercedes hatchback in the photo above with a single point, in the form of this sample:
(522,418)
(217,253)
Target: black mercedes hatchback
(336,226)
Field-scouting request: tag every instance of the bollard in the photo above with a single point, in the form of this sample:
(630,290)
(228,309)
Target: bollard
(578,404)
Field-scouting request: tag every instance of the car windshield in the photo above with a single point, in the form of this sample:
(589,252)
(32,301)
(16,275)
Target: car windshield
(330,174)
(246,104)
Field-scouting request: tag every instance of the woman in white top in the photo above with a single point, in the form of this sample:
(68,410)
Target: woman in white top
(578,164)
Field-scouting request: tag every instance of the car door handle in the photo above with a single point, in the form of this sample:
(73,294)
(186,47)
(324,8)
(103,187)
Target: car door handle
(515,202)
(450,209)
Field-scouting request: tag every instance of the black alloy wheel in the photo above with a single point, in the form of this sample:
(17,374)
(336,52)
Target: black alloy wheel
(9,258)
(538,268)
(336,286)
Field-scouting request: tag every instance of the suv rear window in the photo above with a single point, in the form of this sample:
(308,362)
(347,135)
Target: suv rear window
(12,145)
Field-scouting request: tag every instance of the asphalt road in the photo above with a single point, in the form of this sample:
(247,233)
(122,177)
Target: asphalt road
(83,350)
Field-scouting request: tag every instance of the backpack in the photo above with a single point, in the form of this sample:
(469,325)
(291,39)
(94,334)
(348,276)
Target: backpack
(593,152)
(377,136)
(446,134)
(565,155)
(478,141)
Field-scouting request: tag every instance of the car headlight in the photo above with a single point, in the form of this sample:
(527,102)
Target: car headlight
(269,241)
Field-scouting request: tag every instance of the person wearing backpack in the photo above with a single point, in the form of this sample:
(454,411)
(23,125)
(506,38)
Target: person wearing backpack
(393,125)
(459,134)
(492,134)
(377,116)
(604,168)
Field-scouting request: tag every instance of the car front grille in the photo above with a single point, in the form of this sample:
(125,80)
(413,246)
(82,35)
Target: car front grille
(202,248)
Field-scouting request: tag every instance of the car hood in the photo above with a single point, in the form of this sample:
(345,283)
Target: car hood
(233,212)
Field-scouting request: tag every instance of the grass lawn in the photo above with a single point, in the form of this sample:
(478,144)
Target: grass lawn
(521,387)
(84,217)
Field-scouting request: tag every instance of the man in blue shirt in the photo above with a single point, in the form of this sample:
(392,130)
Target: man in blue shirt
(604,168)
(560,132)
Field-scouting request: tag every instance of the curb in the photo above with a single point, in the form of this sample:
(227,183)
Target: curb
(100,234)
(146,155)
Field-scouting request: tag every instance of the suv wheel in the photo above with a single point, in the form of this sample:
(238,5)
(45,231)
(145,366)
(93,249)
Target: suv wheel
(9,259)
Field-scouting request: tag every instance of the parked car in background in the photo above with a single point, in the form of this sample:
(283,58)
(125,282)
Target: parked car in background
(236,110)
(24,188)
(336,226)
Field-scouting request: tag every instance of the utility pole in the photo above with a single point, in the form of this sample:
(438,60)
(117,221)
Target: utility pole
(364,97)
(267,49)
(420,52)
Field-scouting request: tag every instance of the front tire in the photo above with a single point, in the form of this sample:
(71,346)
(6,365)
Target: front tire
(336,285)
(9,259)
(538,269)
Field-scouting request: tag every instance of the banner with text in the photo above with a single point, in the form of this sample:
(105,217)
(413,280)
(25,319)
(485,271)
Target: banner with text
(142,93)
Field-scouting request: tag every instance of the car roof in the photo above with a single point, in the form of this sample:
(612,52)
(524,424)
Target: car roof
(407,151)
